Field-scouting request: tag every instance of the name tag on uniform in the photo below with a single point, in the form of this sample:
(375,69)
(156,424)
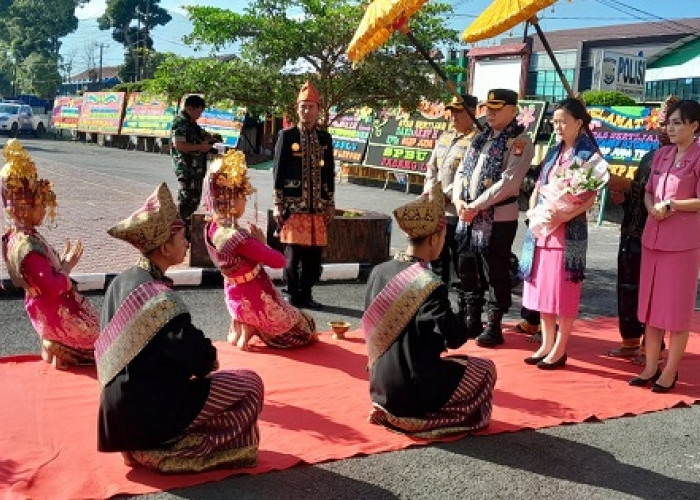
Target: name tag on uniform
(518,147)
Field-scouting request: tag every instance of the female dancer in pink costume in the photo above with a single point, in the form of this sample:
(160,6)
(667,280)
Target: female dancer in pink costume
(66,322)
(256,307)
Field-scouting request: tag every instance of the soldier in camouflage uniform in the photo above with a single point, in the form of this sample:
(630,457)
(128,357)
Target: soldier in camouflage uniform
(189,152)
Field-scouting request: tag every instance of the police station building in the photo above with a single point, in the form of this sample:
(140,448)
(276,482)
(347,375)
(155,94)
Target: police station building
(646,61)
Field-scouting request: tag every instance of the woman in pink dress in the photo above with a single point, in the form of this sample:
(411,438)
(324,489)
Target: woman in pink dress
(671,247)
(553,267)
(66,322)
(256,307)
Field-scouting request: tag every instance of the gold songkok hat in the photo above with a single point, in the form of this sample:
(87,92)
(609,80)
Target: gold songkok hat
(670,101)
(309,93)
(22,189)
(424,216)
(151,225)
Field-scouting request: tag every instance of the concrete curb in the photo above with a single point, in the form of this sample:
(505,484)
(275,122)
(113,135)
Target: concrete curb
(207,277)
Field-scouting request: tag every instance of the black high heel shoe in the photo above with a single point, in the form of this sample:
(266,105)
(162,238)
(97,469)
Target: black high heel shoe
(533,360)
(662,389)
(560,363)
(642,382)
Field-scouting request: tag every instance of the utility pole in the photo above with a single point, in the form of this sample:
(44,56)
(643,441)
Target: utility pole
(101,46)
(147,24)
(136,52)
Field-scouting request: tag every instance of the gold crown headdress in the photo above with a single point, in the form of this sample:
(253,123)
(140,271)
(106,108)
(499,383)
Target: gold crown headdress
(22,189)
(228,178)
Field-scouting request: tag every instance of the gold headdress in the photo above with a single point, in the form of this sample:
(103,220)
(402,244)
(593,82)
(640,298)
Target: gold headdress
(22,189)
(228,178)
(151,225)
(424,216)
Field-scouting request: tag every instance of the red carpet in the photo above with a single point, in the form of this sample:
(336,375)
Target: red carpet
(316,401)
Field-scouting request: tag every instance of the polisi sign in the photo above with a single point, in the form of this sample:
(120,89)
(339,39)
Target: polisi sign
(630,70)
(622,72)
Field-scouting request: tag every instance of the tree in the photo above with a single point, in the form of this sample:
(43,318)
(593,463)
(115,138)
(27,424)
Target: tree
(148,63)
(29,26)
(90,59)
(120,17)
(39,75)
(299,39)
(30,33)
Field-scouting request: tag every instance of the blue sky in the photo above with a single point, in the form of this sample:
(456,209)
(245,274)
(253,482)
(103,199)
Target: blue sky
(564,14)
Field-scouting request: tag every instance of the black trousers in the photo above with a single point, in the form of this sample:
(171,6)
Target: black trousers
(489,271)
(629,257)
(303,270)
(448,258)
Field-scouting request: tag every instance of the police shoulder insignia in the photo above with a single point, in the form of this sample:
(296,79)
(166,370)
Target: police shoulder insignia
(518,147)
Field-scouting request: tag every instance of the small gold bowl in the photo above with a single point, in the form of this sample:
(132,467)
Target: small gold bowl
(339,328)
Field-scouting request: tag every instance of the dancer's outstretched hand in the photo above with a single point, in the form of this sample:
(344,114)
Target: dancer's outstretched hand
(71,256)
(257,233)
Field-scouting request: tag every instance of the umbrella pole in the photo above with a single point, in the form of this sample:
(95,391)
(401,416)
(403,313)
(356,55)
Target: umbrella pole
(443,76)
(555,63)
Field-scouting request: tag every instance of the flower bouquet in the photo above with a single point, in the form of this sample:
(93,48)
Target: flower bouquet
(567,189)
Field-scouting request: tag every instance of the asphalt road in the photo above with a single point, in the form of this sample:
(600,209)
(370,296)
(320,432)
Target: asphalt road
(649,456)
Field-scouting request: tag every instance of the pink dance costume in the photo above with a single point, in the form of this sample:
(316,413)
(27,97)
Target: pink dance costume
(251,297)
(57,311)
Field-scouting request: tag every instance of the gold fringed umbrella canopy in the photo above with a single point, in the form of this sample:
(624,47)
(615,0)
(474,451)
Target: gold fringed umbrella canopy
(501,16)
(381,19)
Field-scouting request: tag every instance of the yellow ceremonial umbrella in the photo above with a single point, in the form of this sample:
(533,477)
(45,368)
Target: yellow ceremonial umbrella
(502,15)
(381,19)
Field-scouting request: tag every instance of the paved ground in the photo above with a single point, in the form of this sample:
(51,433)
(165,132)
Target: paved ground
(649,456)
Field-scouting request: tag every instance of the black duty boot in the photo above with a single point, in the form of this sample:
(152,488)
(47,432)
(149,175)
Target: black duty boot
(471,315)
(493,335)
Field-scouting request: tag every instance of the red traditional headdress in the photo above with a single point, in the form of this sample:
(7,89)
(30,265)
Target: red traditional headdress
(309,93)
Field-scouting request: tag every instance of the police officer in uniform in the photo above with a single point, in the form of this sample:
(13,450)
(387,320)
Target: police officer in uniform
(442,167)
(485,196)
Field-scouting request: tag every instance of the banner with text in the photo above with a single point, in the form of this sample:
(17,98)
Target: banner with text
(66,112)
(403,141)
(226,122)
(102,112)
(625,134)
(148,115)
(350,133)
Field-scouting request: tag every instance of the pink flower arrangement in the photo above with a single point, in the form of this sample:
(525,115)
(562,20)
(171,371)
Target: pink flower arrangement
(568,188)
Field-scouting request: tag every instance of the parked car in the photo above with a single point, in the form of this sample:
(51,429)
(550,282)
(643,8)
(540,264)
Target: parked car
(19,118)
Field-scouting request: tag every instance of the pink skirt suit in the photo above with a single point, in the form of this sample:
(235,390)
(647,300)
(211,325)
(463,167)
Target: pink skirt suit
(548,291)
(671,247)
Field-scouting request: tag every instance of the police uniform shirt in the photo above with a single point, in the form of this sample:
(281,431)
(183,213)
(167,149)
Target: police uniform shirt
(444,162)
(517,158)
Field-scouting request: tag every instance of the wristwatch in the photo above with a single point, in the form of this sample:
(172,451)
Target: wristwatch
(667,205)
